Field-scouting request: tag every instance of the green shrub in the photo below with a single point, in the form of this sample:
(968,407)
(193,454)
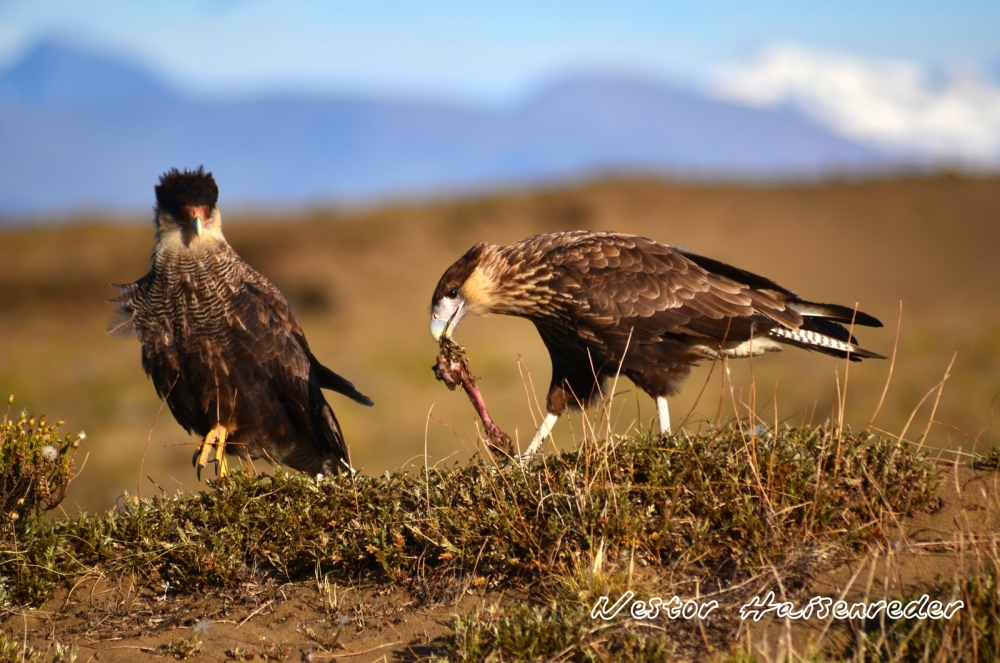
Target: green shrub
(37,466)
(11,649)
(526,632)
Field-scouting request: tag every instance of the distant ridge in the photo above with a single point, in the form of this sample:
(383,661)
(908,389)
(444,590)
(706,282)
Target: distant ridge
(79,130)
(52,76)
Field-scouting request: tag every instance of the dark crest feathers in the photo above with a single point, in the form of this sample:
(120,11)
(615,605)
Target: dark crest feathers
(178,189)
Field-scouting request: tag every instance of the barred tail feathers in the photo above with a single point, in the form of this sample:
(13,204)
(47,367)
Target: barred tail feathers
(814,340)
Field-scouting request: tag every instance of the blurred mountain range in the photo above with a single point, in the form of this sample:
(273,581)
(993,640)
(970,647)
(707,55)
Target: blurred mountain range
(83,131)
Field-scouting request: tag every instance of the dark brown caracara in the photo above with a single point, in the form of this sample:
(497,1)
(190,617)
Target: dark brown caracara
(222,346)
(604,300)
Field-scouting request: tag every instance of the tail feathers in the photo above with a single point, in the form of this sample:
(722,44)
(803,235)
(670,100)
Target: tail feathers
(836,312)
(831,345)
(826,327)
(329,380)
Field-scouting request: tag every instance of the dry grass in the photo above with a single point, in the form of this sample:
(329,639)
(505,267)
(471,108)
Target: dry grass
(973,634)
(361,283)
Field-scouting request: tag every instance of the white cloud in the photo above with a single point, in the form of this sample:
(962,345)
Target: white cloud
(896,104)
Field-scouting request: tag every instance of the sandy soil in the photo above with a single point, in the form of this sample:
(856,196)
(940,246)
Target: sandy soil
(110,622)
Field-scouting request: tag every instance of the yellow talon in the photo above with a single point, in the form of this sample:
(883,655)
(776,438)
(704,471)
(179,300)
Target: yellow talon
(216,438)
(221,466)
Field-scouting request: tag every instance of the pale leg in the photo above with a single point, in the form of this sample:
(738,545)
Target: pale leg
(663,412)
(543,432)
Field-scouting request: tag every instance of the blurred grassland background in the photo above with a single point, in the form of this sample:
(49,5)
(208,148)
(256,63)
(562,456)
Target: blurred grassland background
(360,283)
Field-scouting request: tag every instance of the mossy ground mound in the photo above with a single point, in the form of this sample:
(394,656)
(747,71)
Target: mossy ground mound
(726,515)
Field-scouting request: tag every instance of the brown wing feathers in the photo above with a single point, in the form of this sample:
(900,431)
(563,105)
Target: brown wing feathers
(323,376)
(622,282)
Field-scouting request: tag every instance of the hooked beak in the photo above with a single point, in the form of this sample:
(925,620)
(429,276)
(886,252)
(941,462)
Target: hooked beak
(437,328)
(194,217)
(445,317)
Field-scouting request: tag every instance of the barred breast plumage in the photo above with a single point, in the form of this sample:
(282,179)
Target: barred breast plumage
(222,345)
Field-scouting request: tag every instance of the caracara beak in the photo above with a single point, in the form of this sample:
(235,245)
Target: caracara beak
(195,217)
(445,316)
(437,328)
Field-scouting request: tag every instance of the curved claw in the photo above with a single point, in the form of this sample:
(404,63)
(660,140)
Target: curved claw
(216,439)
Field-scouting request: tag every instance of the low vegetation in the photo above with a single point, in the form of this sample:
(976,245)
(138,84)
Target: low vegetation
(973,634)
(36,466)
(722,504)
(725,514)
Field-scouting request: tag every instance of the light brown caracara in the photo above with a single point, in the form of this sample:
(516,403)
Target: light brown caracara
(222,346)
(604,300)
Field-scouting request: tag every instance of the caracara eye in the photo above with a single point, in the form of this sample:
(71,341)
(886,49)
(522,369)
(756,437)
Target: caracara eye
(452,293)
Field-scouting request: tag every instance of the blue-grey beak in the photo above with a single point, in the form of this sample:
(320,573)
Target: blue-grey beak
(437,328)
(445,317)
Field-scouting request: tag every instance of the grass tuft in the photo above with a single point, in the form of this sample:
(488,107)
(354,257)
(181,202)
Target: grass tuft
(987,461)
(36,465)
(12,649)
(972,634)
(557,631)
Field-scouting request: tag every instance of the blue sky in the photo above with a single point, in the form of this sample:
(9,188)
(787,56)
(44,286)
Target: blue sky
(488,52)
(912,76)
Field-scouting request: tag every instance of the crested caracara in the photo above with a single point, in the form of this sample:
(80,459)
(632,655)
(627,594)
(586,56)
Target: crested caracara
(222,346)
(604,300)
